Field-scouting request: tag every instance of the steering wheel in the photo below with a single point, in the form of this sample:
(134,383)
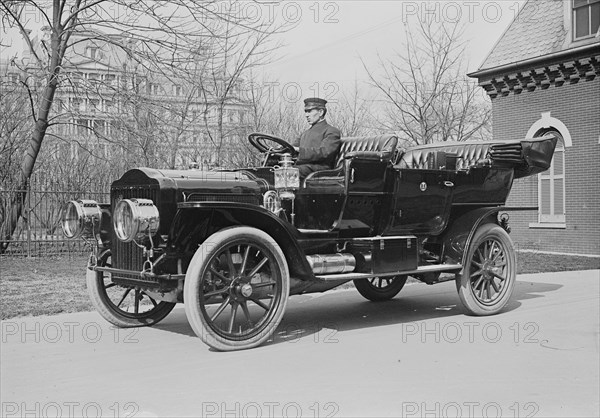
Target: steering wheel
(261,143)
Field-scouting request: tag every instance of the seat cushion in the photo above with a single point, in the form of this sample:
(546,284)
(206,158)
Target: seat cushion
(380,143)
(333,181)
(467,154)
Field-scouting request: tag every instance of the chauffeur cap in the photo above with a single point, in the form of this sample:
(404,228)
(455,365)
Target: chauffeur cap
(314,103)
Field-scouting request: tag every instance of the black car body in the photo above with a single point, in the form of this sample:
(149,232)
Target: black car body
(235,244)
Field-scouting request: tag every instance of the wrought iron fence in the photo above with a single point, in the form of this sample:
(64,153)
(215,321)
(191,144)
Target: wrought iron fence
(38,231)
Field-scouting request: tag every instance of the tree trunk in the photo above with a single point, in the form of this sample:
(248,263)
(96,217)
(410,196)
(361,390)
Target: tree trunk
(33,149)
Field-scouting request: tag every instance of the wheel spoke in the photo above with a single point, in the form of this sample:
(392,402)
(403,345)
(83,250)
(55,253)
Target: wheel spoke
(499,254)
(495,286)
(217,292)
(244,260)
(486,289)
(111,284)
(259,303)
(258,267)
(480,265)
(136,303)
(255,286)
(232,317)
(492,248)
(124,296)
(481,292)
(476,285)
(477,273)
(481,257)
(246,311)
(219,275)
(498,276)
(230,262)
(220,309)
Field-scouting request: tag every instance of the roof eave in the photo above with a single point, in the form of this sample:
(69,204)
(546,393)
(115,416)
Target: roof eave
(533,61)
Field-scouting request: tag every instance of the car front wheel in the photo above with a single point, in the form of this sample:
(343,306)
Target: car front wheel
(489,274)
(236,289)
(123,306)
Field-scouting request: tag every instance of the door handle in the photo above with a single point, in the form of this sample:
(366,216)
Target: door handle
(448,183)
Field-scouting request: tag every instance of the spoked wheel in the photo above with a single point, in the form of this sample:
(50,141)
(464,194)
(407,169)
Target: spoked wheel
(378,289)
(489,274)
(123,306)
(236,288)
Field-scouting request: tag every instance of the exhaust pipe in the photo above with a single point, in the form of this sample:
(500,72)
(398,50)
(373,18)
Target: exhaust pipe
(331,263)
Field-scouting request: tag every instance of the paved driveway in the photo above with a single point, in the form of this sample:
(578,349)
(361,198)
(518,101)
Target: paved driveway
(335,354)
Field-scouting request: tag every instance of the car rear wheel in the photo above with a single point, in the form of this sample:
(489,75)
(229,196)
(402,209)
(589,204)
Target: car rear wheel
(379,289)
(123,306)
(236,289)
(489,274)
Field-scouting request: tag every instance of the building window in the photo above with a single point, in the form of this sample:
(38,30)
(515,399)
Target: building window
(177,90)
(551,185)
(92,52)
(153,89)
(109,79)
(586,18)
(83,126)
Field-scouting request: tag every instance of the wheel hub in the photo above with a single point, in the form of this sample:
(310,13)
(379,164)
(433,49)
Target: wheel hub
(246,290)
(241,289)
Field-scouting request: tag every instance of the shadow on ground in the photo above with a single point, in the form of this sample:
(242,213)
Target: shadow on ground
(328,313)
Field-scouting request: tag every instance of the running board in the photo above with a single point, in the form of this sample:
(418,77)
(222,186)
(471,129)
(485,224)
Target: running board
(420,270)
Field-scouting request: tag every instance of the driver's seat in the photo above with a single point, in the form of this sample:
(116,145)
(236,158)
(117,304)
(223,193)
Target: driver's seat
(375,148)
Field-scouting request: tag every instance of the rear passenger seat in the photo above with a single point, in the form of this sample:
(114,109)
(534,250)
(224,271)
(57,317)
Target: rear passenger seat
(467,154)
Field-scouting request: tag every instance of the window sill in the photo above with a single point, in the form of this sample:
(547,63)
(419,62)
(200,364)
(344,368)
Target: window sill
(547,225)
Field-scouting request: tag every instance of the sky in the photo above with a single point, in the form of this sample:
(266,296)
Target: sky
(322,52)
(324,49)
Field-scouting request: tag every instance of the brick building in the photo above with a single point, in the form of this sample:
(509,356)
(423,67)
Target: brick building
(543,75)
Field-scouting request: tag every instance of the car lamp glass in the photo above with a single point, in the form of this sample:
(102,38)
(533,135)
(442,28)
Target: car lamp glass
(287,177)
(135,219)
(81,218)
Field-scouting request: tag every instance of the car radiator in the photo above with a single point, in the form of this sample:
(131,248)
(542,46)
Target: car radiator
(127,255)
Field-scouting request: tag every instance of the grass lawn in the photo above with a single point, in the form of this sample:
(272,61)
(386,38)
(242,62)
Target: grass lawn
(43,286)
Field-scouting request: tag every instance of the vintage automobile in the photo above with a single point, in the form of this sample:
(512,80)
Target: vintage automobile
(233,245)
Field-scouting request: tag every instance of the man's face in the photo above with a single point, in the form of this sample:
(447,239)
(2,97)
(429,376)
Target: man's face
(313,115)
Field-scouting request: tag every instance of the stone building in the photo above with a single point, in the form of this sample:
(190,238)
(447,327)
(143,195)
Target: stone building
(106,98)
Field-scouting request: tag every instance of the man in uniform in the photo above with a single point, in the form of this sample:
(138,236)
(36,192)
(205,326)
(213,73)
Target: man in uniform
(318,145)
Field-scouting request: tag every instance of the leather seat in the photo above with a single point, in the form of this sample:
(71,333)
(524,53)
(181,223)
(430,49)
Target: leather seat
(367,146)
(467,153)
(377,148)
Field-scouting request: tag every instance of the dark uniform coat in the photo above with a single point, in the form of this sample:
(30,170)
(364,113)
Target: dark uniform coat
(319,146)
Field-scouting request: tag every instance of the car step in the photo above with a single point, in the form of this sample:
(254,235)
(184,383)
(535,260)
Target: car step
(419,270)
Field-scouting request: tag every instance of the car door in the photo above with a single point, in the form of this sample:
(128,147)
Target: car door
(421,201)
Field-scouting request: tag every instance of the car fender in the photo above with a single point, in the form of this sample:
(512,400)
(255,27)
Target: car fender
(196,221)
(461,229)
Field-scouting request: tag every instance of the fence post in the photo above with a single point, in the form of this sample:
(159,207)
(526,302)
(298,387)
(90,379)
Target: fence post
(27,218)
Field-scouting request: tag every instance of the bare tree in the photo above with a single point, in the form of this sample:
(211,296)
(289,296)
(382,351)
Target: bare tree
(351,113)
(272,113)
(230,56)
(162,37)
(426,94)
